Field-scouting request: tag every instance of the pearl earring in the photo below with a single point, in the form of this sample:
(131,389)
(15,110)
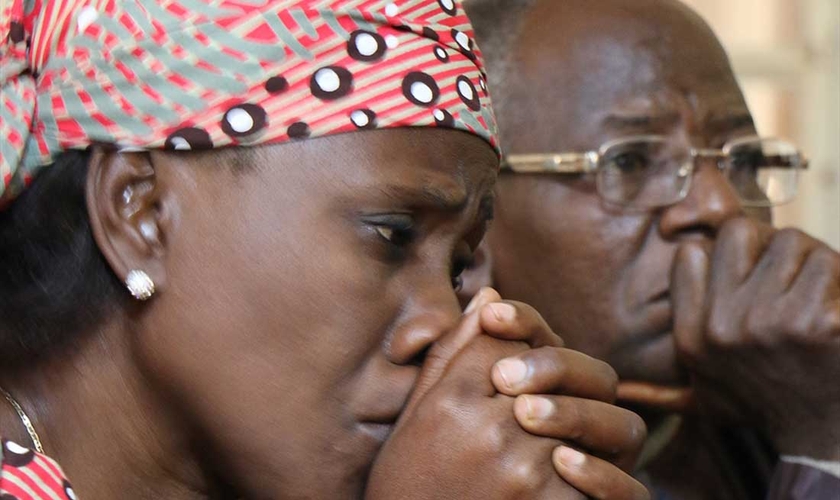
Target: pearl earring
(140,284)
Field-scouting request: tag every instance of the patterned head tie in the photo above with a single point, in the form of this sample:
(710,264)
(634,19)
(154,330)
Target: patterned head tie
(201,74)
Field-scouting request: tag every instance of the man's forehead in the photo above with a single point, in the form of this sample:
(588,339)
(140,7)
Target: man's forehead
(590,60)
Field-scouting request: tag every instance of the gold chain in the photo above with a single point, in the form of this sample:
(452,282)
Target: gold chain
(36,441)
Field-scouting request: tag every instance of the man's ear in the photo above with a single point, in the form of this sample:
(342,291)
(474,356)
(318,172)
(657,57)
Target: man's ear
(478,275)
(126,215)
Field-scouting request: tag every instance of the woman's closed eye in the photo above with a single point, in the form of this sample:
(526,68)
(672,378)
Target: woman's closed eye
(396,231)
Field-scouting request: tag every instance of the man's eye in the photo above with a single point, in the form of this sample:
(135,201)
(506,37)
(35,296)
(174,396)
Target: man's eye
(631,163)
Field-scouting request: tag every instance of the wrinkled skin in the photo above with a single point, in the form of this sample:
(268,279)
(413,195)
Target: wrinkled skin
(605,279)
(297,294)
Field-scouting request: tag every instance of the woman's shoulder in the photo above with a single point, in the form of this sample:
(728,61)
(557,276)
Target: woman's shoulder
(26,474)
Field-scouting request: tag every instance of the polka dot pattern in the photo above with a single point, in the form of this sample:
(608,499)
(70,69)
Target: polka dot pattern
(441,54)
(26,474)
(16,455)
(448,6)
(299,130)
(244,120)
(363,118)
(468,93)
(331,82)
(189,138)
(465,43)
(257,75)
(420,88)
(276,84)
(366,46)
(16,32)
(443,118)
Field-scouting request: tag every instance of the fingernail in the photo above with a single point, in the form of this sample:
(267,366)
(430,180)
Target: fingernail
(503,312)
(569,456)
(474,302)
(538,408)
(512,371)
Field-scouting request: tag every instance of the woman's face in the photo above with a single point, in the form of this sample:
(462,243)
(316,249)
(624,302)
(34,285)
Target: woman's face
(300,297)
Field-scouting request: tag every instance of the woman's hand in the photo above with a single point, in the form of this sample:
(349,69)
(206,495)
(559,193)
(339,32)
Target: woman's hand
(458,437)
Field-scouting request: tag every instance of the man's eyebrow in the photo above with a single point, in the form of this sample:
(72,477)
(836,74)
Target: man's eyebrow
(623,121)
(731,121)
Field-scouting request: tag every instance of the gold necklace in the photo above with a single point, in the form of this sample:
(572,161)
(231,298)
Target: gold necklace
(36,441)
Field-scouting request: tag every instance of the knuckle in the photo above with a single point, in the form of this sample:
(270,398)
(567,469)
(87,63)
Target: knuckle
(492,438)
(526,475)
(827,259)
(719,332)
(637,431)
(788,240)
(610,378)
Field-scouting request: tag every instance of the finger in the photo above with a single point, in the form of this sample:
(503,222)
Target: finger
(659,397)
(781,262)
(511,320)
(738,248)
(595,477)
(689,285)
(600,428)
(814,295)
(444,351)
(554,370)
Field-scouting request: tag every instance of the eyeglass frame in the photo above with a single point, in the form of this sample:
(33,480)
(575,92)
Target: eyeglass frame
(589,162)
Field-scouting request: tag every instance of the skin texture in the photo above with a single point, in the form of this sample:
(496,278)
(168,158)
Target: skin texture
(298,294)
(606,279)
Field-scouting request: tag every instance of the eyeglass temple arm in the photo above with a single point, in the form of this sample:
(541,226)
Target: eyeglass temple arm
(561,163)
(719,154)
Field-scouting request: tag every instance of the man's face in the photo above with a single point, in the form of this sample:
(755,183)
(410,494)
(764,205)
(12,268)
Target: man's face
(587,73)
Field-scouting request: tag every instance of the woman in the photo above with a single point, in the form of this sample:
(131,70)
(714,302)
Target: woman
(211,290)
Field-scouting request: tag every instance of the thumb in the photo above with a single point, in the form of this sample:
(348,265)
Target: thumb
(689,285)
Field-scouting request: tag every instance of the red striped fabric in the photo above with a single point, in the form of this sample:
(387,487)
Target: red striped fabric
(149,74)
(27,475)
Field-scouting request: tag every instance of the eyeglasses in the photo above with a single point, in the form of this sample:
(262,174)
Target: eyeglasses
(653,171)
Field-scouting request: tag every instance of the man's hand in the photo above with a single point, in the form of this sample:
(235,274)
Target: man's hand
(758,325)
(458,437)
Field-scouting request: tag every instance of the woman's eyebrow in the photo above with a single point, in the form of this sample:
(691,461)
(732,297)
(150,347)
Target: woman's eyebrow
(444,200)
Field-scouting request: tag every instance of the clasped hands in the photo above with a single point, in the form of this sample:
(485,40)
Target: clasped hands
(502,411)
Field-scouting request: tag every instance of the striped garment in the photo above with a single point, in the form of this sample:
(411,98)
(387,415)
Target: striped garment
(28,475)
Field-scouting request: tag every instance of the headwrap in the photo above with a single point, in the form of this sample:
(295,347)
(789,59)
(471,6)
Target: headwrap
(200,74)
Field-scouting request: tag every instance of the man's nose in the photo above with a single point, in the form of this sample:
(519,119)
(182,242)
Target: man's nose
(710,202)
(431,311)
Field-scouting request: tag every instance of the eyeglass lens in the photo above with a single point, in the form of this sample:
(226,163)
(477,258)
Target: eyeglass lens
(655,172)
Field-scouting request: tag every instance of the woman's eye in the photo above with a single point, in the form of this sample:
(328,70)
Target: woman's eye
(396,236)
(398,230)
(385,232)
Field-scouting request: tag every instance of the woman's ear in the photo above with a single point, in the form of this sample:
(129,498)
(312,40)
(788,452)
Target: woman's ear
(478,275)
(126,215)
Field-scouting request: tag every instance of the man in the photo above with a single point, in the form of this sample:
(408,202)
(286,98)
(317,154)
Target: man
(637,250)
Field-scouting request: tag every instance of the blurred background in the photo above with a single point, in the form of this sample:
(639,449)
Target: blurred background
(786,54)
